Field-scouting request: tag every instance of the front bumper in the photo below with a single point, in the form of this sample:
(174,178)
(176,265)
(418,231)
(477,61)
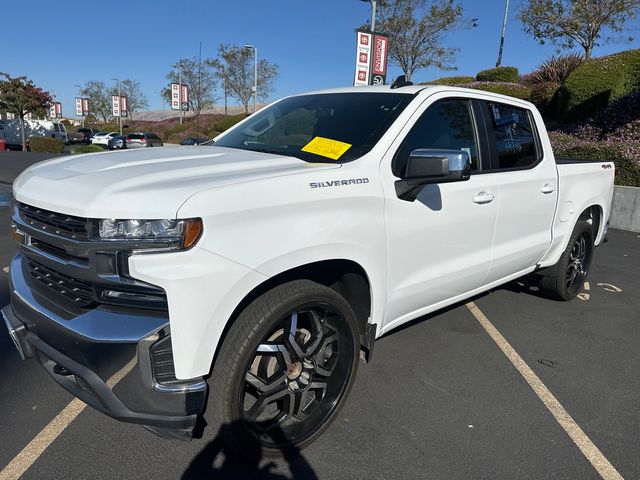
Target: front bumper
(109,357)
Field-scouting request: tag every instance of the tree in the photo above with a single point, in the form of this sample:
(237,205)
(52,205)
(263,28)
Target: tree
(20,96)
(201,80)
(566,23)
(234,66)
(417,29)
(136,100)
(99,98)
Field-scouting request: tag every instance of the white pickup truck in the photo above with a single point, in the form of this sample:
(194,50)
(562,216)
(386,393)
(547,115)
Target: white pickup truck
(242,282)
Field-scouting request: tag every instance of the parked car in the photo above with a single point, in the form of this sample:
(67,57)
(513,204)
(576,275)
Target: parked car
(117,143)
(261,269)
(74,137)
(81,135)
(194,141)
(138,140)
(10,131)
(88,133)
(102,138)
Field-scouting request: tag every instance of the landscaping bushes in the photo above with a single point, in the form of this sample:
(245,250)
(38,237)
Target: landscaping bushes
(543,97)
(46,144)
(625,156)
(229,121)
(499,74)
(456,81)
(555,69)
(512,89)
(87,149)
(597,83)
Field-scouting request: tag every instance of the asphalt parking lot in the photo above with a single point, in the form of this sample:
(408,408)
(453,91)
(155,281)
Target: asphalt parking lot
(439,400)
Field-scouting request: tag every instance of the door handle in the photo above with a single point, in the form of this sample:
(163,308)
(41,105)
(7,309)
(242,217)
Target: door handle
(484,197)
(547,188)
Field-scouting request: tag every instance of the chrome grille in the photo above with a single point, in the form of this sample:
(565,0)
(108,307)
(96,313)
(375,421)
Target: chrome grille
(79,292)
(58,223)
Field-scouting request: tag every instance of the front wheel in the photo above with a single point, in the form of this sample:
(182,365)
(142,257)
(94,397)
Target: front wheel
(564,281)
(284,369)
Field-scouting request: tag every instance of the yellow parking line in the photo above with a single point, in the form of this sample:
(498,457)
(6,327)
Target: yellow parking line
(36,447)
(586,446)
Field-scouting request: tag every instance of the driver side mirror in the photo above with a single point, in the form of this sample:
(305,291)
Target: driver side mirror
(429,166)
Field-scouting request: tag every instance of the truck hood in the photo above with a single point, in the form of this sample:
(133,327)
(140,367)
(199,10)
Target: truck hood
(148,183)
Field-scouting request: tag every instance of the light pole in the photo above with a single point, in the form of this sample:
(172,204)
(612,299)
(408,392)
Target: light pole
(255,75)
(179,67)
(373,13)
(504,28)
(119,104)
(80,93)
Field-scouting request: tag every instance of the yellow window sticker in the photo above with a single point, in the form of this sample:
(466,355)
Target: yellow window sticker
(326,147)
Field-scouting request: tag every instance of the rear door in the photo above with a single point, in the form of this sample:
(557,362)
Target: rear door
(527,184)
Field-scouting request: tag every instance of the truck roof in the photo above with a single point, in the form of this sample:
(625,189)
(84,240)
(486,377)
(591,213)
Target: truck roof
(411,89)
(414,89)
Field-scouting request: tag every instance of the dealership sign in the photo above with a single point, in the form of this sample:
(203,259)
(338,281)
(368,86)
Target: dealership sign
(372,53)
(115,105)
(82,107)
(55,111)
(119,106)
(179,97)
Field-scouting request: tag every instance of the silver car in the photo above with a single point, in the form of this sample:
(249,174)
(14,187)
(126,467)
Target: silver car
(137,140)
(117,143)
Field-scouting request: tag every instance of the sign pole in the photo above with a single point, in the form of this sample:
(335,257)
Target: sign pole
(255,79)
(504,28)
(373,15)
(180,90)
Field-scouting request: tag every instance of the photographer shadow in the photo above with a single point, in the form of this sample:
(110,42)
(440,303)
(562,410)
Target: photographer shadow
(218,461)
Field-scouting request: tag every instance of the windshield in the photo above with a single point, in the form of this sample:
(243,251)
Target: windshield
(318,128)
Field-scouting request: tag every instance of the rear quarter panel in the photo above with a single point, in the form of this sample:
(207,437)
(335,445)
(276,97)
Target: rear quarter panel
(580,186)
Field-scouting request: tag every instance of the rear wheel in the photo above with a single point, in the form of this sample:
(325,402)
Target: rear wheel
(284,369)
(564,281)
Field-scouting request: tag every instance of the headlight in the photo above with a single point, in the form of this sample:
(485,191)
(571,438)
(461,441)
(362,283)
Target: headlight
(174,233)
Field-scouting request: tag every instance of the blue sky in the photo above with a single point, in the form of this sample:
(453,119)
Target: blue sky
(313,42)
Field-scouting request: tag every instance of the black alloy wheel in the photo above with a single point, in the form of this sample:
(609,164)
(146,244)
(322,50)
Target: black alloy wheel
(564,280)
(578,264)
(298,373)
(284,370)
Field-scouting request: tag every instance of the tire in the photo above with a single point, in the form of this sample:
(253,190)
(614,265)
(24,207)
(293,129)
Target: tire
(307,376)
(565,279)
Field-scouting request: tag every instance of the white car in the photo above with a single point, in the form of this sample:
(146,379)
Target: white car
(260,269)
(102,138)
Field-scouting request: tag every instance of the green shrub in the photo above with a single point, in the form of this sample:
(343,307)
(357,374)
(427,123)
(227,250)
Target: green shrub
(598,82)
(87,149)
(516,90)
(542,96)
(451,81)
(555,69)
(46,144)
(229,121)
(499,74)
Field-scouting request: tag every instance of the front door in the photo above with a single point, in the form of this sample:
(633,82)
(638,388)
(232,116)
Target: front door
(438,246)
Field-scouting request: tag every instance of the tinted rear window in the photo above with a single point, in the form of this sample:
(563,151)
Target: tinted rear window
(136,136)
